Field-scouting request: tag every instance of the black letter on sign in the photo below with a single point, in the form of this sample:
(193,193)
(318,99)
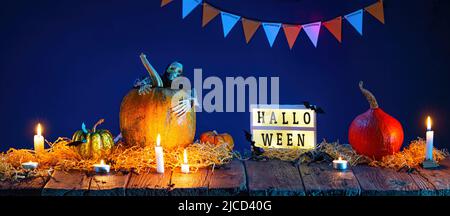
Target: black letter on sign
(289,139)
(295,120)
(260,117)
(266,140)
(279,139)
(273,118)
(301,139)
(307,118)
(284,119)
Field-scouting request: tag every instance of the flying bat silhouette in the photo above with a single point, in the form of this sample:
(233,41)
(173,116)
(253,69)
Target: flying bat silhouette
(313,107)
(75,143)
(256,150)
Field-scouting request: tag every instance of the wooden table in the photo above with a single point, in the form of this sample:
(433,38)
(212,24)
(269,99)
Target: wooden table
(254,178)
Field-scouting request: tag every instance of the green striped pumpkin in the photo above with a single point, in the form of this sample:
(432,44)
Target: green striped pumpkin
(96,143)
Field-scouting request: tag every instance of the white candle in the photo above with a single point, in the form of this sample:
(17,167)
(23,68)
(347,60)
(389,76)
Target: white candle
(185,165)
(38,140)
(340,164)
(159,155)
(102,167)
(30,165)
(430,137)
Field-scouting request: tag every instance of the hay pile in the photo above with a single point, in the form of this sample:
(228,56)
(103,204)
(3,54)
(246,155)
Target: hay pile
(411,156)
(139,159)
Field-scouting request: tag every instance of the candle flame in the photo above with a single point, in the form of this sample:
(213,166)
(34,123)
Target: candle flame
(158,140)
(102,162)
(39,129)
(428,123)
(185,156)
(340,158)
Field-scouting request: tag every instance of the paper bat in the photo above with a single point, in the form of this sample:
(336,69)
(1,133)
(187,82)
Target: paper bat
(313,107)
(75,143)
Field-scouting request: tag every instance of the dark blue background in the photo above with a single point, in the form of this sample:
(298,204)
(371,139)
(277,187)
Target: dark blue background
(65,62)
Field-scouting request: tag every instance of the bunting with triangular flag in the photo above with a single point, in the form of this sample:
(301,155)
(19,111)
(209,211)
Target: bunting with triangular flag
(335,27)
(188,6)
(271,30)
(376,10)
(165,2)
(356,20)
(228,22)
(312,30)
(208,14)
(250,28)
(291,32)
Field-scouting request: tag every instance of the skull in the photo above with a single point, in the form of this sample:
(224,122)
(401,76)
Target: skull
(174,70)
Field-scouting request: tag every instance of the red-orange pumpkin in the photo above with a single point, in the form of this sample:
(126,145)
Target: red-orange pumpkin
(375,133)
(215,138)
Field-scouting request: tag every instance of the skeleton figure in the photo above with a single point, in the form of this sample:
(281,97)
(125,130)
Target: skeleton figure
(172,72)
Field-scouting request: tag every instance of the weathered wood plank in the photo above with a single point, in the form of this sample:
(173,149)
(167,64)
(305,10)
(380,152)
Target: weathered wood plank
(273,178)
(26,187)
(376,181)
(320,179)
(149,184)
(191,184)
(229,180)
(113,184)
(73,183)
(439,178)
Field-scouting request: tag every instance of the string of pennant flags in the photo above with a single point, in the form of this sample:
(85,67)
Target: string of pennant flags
(272,29)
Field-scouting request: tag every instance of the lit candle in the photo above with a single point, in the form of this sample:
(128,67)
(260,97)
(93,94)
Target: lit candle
(38,140)
(340,164)
(185,165)
(30,165)
(159,155)
(430,137)
(102,167)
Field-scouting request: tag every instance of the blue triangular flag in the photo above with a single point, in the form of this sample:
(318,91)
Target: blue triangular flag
(228,22)
(356,19)
(271,30)
(189,6)
(312,30)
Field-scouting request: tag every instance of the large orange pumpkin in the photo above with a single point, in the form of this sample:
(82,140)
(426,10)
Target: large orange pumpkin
(143,117)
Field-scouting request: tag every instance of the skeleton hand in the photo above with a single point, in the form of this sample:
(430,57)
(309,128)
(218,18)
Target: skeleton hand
(185,105)
(144,89)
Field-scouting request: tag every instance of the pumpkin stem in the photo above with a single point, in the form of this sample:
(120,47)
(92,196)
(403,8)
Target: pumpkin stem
(369,96)
(97,124)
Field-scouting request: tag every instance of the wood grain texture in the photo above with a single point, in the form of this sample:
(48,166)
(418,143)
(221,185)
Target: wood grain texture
(26,187)
(73,183)
(149,184)
(191,184)
(384,182)
(228,180)
(273,178)
(113,184)
(321,179)
(439,178)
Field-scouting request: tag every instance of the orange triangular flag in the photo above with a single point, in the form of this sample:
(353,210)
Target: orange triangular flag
(335,27)
(291,32)
(165,2)
(377,11)
(209,12)
(250,27)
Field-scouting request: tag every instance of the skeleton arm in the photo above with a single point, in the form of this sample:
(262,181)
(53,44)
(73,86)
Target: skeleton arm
(186,105)
(154,76)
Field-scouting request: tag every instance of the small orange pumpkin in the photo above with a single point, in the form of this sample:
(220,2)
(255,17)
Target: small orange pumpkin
(215,138)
